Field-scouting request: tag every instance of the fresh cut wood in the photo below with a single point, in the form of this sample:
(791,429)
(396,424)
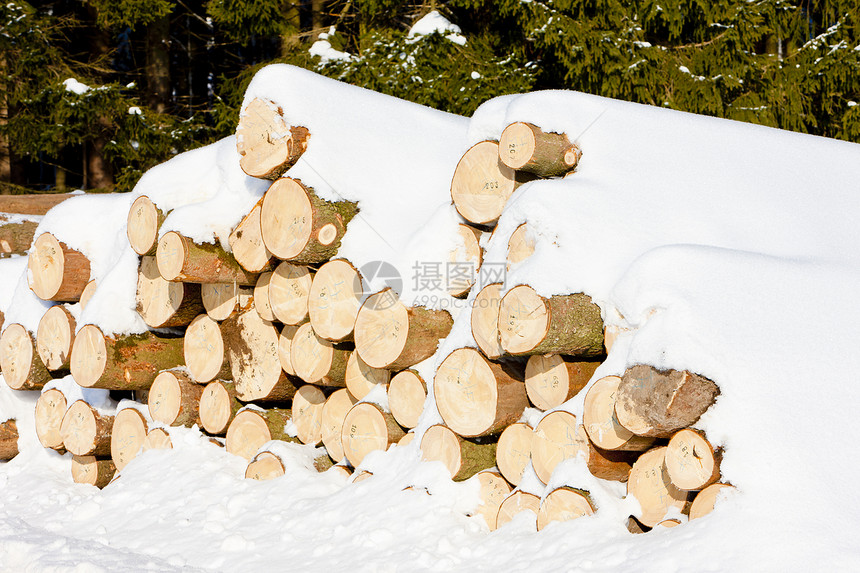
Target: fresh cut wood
(261,297)
(218,406)
(289,289)
(306,414)
(21,365)
(493,490)
(513,454)
(482,184)
(92,470)
(174,399)
(335,296)
(265,466)
(521,246)
(461,457)
(649,483)
(49,412)
(157,439)
(553,379)
(485,320)
(181,259)
(88,293)
(55,336)
(85,431)
(334,411)
(204,352)
(162,303)
(692,461)
(127,435)
(55,271)
(268,146)
(526,147)
(246,243)
(144,221)
(221,299)
(564,504)
(251,428)
(706,500)
(316,360)
(285,348)
(464,261)
(518,502)
(367,428)
(407,393)
(602,424)
(361,378)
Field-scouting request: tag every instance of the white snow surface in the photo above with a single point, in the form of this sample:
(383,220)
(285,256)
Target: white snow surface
(717,246)
(432,22)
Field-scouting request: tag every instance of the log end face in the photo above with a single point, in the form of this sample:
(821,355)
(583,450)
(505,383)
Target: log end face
(215,410)
(247,433)
(142,225)
(482,184)
(517,145)
(364,430)
(406,396)
(485,320)
(307,413)
(54,337)
(164,398)
(286,218)
(127,436)
(440,444)
(170,255)
(16,355)
(265,466)
(89,356)
(381,329)
(79,429)
(563,504)
(523,320)
(45,266)
(466,393)
(49,412)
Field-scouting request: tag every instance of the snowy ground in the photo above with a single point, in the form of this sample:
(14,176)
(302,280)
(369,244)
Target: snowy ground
(719,247)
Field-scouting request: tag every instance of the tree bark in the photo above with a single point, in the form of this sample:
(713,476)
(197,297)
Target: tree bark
(35,204)
(552,379)
(462,458)
(92,470)
(8,439)
(181,259)
(525,147)
(174,399)
(162,303)
(16,238)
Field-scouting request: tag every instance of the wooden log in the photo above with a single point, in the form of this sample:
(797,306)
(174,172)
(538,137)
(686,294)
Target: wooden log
(32,204)
(493,489)
(464,261)
(174,399)
(516,503)
(558,437)
(306,414)
(16,238)
(334,411)
(218,406)
(521,246)
(407,393)
(289,289)
(514,451)
(55,336)
(127,435)
(407,439)
(222,299)
(691,460)
(600,421)
(649,483)
(526,147)
(300,227)
(334,300)
(562,324)
(144,221)
(461,457)
(204,351)
(390,335)
(553,379)
(706,500)
(85,431)
(8,439)
(477,397)
(316,360)
(261,297)
(250,429)
(285,348)
(361,476)
(181,259)
(669,523)
(49,412)
(157,439)
(162,303)
(361,379)
(56,272)
(657,403)
(265,466)
(482,184)
(246,243)
(268,146)
(564,504)
(92,470)
(128,362)
(485,320)
(88,293)
(22,367)
(252,349)
(367,428)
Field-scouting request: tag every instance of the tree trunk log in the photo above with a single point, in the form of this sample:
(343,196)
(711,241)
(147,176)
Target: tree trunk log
(485,320)
(691,460)
(601,423)
(316,360)
(361,378)
(334,300)
(407,393)
(16,238)
(50,409)
(285,348)
(552,379)
(181,259)
(706,499)
(250,429)
(218,406)
(8,439)
(129,362)
(564,504)
(462,458)
(92,470)
(55,337)
(367,428)
(306,412)
(334,411)
(35,204)
(252,349)
(562,324)
(157,439)
(477,397)
(144,221)
(265,466)
(223,299)
(525,147)
(300,227)
(86,432)
(649,483)
(657,403)
(493,489)
(162,303)
(55,271)
(261,297)
(22,367)
(204,352)
(288,293)
(464,261)
(267,145)
(482,184)
(514,452)
(521,246)
(88,293)
(128,433)
(174,399)
(246,242)
(516,503)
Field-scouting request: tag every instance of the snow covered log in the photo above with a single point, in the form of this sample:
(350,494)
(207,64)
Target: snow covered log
(705,500)
(33,204)
(367,428)
(467,257)
(144,221)
(514,451)
(92,470)
(8,439)
(390,335)
(251,344)
(691,461)
(20,363)
(461,457)
(289,289)
(526,147)
(361,379)
(126,362)
(649,483)
(85,431)
(204,352)
(56,272)
(218,406)
(485,320)
(55,336)
(252,428)
(482,184)
(564,504)
(334,299)
(268,146)
(162,303)
(602,425)
(521,246)
(174,399)
(15,237)
(334,411)
(657,403)
(562,324)
(127,435)
(316,360)
(156,439)
(265,466)
(306,413)
(519,501)
(553,379)
(477,397)
(221,299)
(181,259)
(407,393)
(246,243)
(49,412)
(492,491)
(88,293)
(298,226)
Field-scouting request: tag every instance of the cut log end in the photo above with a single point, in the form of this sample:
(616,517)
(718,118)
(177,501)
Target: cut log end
(265,466)
(691,461)
(162,303)
(600,421)
(563,504)
(49,412)
(552,380)
(336,407)
(174,399)
(360,378)
(127,436)
(56,272)
(203,350)
(493,491)
(482,184)
(516,503)
(462,458)
(524,146)
(306,411)
(221,299)
(289,289)
(218,406)
(649,483)
(367,428)
(334,299)
(521,246)
(144,220)
(514,451)
(485,320)
(266,144)
(86,432)
(21,365)
(706,499)
(250,429)
(92,470)
(55,337)
(406,395)
(157,439)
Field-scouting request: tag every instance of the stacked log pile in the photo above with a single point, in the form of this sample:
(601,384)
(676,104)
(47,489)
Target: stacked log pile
(279,340)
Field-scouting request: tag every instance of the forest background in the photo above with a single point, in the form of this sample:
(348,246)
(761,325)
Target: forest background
(94,92)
